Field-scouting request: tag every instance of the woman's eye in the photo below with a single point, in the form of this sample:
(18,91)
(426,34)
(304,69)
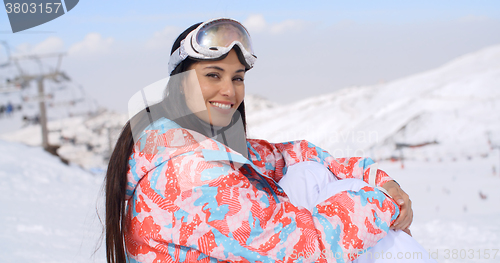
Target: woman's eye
(239,79)
(212,75)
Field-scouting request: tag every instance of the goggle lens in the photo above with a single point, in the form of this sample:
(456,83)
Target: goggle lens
(222,34)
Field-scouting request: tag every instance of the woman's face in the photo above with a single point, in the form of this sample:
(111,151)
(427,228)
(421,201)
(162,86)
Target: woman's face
(215,89)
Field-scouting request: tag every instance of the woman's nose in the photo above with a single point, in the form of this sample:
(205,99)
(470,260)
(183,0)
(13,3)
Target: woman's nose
(227,88)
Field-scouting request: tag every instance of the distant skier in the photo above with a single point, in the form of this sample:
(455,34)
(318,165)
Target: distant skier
(36,119)
(9,109)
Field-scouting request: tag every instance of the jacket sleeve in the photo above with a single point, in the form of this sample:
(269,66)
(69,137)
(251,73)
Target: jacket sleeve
(275,158)
(188,204)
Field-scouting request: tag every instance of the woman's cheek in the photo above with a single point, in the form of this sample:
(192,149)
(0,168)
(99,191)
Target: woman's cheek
(196,100)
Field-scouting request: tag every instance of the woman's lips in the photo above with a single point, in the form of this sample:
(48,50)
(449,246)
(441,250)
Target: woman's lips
(221,107)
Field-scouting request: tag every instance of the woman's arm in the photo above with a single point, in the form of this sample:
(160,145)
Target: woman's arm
(275,158)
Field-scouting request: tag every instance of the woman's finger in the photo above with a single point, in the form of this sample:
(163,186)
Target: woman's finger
(409,212)
(406,217)
(400,219)
(409,216)
(403,221)
(396,195)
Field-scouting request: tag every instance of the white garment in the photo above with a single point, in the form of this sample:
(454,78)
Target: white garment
(310,183)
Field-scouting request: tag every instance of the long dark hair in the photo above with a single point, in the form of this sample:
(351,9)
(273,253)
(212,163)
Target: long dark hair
(170,107)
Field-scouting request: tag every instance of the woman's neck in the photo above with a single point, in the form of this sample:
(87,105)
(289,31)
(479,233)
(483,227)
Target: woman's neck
(210,129)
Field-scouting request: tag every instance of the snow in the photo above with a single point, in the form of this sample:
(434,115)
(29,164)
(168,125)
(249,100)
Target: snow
(49,210)
(449,212)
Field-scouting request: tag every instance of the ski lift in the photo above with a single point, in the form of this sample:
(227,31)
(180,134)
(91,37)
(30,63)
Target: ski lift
(4,54)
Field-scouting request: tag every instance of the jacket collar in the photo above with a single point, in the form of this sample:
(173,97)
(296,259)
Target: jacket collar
(164,139)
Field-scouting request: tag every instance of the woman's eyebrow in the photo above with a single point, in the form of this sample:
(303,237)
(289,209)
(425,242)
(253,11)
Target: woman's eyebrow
(221,69)
(215,67)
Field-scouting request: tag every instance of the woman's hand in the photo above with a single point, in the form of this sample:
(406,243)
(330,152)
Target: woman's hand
(406,214)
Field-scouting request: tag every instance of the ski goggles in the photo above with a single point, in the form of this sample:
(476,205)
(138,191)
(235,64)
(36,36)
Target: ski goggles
(212,40)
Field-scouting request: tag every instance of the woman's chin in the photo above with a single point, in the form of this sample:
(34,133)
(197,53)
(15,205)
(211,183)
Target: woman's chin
(221,122)
(221,119)
(214,119)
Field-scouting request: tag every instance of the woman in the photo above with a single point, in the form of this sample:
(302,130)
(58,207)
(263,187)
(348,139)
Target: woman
(184,184)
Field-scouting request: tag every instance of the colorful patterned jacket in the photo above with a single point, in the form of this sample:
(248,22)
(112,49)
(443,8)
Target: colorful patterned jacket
(190,198)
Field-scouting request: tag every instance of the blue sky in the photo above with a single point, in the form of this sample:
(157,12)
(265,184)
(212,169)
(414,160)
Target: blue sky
(127,19)
(305,48)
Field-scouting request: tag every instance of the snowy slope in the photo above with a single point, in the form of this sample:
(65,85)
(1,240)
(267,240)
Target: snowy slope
(456,105)
(48,208)
(455,206)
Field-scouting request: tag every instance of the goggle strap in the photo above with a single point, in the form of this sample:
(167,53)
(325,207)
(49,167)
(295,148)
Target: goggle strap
(177,57)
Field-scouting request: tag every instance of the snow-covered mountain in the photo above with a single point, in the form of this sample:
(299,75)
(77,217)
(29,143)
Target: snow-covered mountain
(450,112)
(255,103)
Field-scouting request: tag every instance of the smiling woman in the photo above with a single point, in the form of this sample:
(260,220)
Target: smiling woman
(184,184)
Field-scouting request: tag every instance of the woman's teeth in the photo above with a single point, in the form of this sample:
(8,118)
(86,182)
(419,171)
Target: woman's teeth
(220,105)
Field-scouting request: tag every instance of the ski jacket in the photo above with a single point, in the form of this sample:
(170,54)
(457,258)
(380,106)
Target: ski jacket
(191,198)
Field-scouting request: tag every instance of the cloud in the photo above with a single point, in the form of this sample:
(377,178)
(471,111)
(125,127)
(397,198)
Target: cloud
(49,45)
(92,44)
(257,23)
(287,25)
(164,38)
